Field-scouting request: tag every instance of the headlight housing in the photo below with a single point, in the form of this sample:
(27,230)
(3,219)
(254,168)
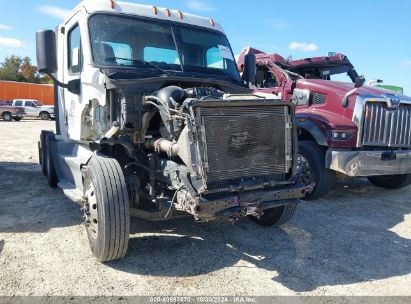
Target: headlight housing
(341,135)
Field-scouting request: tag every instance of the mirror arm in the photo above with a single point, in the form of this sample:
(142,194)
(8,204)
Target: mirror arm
(73,85)
(345,101)
(56,81)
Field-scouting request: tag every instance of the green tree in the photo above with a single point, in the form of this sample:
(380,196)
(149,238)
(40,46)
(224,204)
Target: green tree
(10,69)
(29,71)
(16,68)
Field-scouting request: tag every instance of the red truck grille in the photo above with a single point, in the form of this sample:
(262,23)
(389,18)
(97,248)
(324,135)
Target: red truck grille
(387,127)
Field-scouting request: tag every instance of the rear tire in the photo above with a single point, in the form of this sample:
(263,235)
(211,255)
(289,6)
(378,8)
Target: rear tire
(391,181)
(40,156)
(311,169)
(107,208)
(275,216)
(50,169)
(43,151)
(44,116)
(7,116)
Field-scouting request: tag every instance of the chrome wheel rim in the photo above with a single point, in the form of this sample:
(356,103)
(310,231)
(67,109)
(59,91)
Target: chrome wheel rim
(91,211)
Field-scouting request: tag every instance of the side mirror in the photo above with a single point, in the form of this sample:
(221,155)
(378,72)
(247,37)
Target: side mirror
(359,82)
(250,69)
(46,51)
(47,59)
(74,86)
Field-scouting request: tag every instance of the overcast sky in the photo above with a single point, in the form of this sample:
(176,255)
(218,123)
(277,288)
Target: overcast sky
(375,35)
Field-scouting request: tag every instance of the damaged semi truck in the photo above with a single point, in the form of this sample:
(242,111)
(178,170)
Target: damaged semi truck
(343,127)
(153,121)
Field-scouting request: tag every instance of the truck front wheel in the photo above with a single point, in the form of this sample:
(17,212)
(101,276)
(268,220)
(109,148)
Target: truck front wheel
(311,169)
(44,116)
(391,181)
(275,216)
(106,208)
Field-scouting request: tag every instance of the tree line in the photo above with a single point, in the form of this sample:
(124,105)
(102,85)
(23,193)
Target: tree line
(16,68)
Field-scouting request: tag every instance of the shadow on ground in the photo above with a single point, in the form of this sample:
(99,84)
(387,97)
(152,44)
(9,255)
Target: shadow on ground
(345,238)
(1,246)
(27,204)
(341,240)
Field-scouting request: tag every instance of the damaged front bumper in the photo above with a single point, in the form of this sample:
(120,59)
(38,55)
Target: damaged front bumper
(249,202)
(369,163)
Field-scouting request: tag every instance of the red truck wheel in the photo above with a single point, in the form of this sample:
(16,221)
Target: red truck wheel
(391,181)
(311,169)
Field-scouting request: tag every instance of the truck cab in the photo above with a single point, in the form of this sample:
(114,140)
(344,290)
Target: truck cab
(34,108)
(343,127)
(154,121)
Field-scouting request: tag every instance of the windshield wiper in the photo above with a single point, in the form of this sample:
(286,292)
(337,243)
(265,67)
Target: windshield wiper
(219,72)
(140,61)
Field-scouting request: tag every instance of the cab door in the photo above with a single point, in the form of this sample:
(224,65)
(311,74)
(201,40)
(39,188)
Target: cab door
(73,68)
(30,108)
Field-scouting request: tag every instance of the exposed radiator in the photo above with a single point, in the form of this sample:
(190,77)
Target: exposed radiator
(245,142)
(387,127)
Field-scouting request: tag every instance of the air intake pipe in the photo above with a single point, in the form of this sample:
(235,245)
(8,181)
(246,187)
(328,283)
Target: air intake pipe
(181,148)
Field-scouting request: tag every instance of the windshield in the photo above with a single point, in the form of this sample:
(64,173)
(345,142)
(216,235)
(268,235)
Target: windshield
(37,103)
(124,41)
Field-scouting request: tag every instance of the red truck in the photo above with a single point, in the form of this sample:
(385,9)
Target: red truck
(344,127)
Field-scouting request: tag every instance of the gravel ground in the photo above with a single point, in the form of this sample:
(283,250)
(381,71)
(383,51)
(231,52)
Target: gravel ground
(357,241)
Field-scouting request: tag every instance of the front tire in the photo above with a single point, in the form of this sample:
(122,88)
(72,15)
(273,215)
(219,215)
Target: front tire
(391,181)
(7,116)
(275,216)
(311,169)
(107,208)
(44,116)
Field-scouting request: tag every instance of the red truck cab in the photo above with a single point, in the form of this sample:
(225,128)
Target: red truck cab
(343,127)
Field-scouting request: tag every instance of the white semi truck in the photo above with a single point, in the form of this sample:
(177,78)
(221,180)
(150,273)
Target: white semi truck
(153,121)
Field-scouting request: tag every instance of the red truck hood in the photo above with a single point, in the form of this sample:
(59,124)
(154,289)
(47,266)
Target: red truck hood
(342,88)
